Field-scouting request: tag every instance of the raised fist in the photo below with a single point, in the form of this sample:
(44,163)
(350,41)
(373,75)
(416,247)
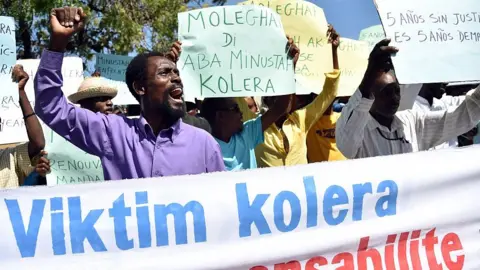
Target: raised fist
(292,51)
(175,51)
(64,23)
(20,76)
(333,36)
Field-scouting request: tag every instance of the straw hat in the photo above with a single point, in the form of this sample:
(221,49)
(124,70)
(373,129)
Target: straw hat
(93,87)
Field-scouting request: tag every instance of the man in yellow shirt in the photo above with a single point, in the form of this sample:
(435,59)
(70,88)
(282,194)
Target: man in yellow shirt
(321,143)
(285,142)
(15,162)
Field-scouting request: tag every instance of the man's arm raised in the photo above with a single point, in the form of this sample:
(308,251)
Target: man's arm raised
(310,114)
(355,115)
(283,103)
(36,139)
(434,128)
(83,128)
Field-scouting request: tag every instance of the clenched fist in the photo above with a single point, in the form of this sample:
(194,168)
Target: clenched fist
(20,76)
(64,23)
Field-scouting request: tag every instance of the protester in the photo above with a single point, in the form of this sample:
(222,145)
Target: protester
(16,162)
(95,94)
(432,98)
(285,142)
(371,126)
(321,142)
(156,144)
(460,89)
(238,139)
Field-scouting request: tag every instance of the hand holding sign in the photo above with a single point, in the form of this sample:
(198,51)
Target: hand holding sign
(65,22)
(175,51)
(293,51)
(43,165)
(333,37)
(379,62)
(380,57)
(20,76)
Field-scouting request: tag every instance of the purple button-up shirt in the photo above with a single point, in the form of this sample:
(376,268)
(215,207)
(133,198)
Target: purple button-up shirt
(127,147)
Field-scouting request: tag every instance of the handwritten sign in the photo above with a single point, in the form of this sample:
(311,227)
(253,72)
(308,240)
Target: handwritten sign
(69,164)
(8,51)
(234,51)
(12,123)
(372,35)
(353,60)
(113,67)
(438,40)
(307,25)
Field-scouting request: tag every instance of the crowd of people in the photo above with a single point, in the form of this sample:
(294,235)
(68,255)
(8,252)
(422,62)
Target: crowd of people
(171,137)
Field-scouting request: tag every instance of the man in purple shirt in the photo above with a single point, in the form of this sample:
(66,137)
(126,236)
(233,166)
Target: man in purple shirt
(156,144)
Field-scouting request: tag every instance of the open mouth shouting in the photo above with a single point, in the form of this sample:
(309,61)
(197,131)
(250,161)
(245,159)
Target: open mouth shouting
(175,94)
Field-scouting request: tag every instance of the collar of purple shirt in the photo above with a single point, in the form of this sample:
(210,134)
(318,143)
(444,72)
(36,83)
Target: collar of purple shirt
(170,133)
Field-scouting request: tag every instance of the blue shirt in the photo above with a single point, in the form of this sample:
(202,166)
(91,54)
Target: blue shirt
(239,152)
(35,179)
(31,179)
(337,107)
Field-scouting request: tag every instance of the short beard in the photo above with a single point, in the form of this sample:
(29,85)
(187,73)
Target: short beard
(171,113)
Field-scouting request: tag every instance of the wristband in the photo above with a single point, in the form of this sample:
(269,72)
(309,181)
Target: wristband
(25,117)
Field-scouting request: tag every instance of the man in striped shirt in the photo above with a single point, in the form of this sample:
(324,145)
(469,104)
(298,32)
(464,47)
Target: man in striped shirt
(371,126)
(432,97)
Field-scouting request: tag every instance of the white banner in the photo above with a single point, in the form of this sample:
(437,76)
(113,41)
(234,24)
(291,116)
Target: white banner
(393,212)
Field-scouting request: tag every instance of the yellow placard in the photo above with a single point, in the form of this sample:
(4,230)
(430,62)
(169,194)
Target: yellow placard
(353,60)
(307,25)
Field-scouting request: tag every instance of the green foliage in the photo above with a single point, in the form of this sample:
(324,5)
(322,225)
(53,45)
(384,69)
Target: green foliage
(114,26)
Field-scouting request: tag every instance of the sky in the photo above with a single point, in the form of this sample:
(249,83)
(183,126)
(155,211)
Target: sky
(348,17)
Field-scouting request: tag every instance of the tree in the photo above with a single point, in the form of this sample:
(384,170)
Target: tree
(114,26)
